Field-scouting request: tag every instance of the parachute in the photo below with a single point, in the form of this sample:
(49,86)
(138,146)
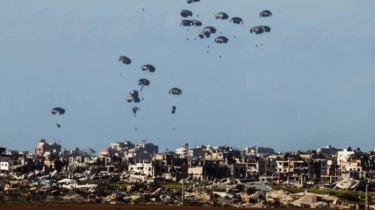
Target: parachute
(58,110)
(175,91)
(260,29)
(196,22)
(134,93)
(124,60)
(186,13)
(211,29)
(186,23)
(236,20)
(265,13)
(148,67)
(143,82)
(222,16)
(204,34)
(129,99)
(267,29)
(207,31)
(133,97)
(221,40)
(192,1)
(135,109)
(173,109)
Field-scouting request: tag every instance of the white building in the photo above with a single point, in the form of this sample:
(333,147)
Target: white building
(4,166)
(183,151)
(344,156)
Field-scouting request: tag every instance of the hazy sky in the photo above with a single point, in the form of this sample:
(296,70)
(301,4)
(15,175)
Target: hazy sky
(311,84)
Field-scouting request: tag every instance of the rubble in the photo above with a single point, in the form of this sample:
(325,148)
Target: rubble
(220,177)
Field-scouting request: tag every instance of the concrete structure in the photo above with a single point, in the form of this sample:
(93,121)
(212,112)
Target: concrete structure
(4,166)
(328,150)
(2,150)
(258,151)
(46,149)
(183,151)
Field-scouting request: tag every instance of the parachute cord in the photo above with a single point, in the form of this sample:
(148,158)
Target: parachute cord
(174,115)
(208,43)
(232,29)
(135,121)
(222,50)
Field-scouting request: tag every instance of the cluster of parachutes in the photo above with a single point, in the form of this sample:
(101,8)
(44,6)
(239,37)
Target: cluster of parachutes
(206,33)
(208,30)
(134,95)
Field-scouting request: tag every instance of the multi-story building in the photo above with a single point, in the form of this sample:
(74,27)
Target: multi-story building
(148,147)
(2,150)
(183,151)
(258,151)
(328,150)
(46,149)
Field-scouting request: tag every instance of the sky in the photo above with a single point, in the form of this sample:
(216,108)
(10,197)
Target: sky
(309,85)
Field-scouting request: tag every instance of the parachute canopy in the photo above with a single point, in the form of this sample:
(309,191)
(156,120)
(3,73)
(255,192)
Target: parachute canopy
(186,13)
(221,15)
(148,67)
(260,29)
(221,40)
(204,34)
(265,13)
(186,23)
(124,60)
(134,93)
(211,29)
(133,99)
(58,110)
(192,1)
(175,91)
(236,20)
(196,23)
(143,82)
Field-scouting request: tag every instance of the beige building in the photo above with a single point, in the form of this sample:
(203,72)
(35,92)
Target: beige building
(46,149)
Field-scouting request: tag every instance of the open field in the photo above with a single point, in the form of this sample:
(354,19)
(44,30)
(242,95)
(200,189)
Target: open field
(58,206)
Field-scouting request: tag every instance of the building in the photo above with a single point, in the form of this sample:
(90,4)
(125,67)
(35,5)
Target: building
(198,152)
(328,150)
(183,151)
(2,150)
(4,166)
(125,145)
(148,147)
(258,151)
(46,149)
